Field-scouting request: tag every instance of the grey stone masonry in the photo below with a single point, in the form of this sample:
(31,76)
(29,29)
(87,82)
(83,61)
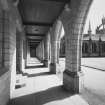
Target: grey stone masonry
(46,50)
(73,19)
(54,33)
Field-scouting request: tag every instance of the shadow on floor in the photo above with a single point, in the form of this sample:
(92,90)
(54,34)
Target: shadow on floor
(41,98)
(37,66)
(93,98)
(39,74)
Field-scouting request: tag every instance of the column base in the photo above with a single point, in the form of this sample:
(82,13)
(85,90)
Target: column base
(45,63)
(73,81)
(53,67)
(18,71)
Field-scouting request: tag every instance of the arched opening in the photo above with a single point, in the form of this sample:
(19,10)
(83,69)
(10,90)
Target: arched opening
(92,63)
(94,47)
(103,48)
(85,48)
(62,52)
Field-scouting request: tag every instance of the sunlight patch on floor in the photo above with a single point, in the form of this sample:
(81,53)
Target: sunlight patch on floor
(73,100)
(37,84)
(37,70)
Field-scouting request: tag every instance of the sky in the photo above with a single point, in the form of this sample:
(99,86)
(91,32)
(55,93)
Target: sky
(95,15)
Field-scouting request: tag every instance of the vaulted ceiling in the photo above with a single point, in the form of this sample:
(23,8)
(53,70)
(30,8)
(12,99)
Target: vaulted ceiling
(39,15)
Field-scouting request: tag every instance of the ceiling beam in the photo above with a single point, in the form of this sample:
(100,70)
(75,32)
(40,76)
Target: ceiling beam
(32,43)
(31,34)
(33,46)
(34,40)
(62,1)
(35,37)
(38,24)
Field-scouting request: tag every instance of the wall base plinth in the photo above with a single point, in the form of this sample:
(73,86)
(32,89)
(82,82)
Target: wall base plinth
(73,81)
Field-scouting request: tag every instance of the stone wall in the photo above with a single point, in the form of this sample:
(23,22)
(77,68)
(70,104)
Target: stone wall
(9,17)
(40,51)
(4,88)
(4,58)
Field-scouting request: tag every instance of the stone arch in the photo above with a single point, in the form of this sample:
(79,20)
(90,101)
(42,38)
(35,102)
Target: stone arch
(73,19)
(60,30)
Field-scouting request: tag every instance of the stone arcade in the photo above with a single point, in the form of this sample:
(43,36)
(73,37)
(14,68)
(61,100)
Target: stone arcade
(34,26)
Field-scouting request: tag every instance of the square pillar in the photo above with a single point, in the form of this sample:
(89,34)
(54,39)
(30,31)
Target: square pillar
(28,50)
(24,53)
(18,52)
(46,50)
(55,33)
(23,43)
(73,76)
(53,63)
(73,19)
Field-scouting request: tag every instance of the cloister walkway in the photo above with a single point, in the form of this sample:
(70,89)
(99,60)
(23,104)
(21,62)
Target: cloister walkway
(33,62)
(43,88)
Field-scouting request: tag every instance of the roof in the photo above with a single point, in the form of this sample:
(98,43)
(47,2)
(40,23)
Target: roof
(94,37)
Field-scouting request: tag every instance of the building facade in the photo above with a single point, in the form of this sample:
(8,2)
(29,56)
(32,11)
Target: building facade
(93,45)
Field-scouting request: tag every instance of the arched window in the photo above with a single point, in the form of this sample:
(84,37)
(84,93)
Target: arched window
(103,47)
(94,47)
(85,48)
